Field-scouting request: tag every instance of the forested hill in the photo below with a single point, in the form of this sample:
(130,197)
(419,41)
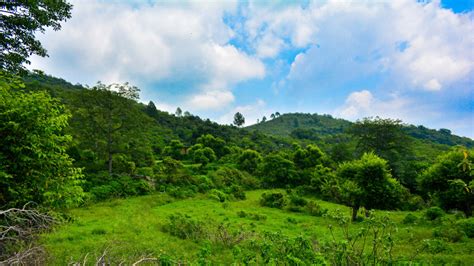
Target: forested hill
(280,131)
(316,126)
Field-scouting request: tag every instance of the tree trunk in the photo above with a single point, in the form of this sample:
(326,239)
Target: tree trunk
(354,213)
(110,163)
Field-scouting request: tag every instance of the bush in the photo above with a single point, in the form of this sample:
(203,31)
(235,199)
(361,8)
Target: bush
(218,195)
(435,246)
(434,213)
(182,192)
(409,219)
(273,200)
(237,192)
(467,226)
(450,232)
(252,216)
(314,209)
(185,227)
(226,177)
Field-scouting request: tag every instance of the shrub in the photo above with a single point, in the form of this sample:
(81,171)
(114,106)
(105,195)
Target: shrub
(218,195)
(314,209)
(409,219)
(226,177)
(237,192)
(434,213)
(273,200)
(185,227)
(449,232)
(435,246)
(252,216)
(467,226)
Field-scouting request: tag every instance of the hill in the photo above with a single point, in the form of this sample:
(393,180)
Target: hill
(316,126)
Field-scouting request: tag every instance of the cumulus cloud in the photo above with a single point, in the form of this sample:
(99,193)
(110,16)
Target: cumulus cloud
(148,43)
(360,104)
(418,44)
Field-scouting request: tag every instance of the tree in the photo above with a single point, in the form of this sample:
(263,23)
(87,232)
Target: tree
(151,110)
(19,22)
(178,112)
(449,180)
(308,157)
(174,149)
(272,116)
(202,155)
(34,165)
(264,119)
(239,119)
(249,160)
(386,138)
(279,171)
(108,120)
(277,114)
(218,145)
(368,183)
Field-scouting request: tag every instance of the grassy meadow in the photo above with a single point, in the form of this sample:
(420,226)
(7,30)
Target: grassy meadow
(129,229)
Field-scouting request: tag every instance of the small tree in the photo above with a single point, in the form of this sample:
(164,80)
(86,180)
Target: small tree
(174,149)
(178,112)
(368,183)
(264,119)
(272,116)
(249,160)
(449,180)
(239,119)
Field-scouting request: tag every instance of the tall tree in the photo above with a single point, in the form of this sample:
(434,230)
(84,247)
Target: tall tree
(19,21)
(34,165)
(107,120)
(386,138)
(239,119)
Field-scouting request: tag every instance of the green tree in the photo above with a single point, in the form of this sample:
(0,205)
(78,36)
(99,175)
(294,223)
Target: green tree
(308,157)
(34,165)
(249,160)
(386,138)
(448,180)
(19,22)
(239,119)
(178,112)
(279,171)
(202,155)
(218,145)
(174,149)
(368,183)
(108,120)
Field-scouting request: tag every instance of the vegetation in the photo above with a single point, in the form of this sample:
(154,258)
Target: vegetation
(93,173)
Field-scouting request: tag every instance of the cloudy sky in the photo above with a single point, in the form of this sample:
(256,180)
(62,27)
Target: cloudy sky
(412,60)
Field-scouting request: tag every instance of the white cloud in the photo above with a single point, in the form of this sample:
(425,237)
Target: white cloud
(210,99)
(148,43)
(420,45)
(360,104)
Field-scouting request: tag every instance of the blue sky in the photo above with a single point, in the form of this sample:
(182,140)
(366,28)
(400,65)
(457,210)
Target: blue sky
(412,60)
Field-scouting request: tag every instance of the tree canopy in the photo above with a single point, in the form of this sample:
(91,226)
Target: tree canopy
(19,21)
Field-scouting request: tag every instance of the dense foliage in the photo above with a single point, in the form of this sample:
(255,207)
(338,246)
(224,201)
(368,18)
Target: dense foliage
(34,165)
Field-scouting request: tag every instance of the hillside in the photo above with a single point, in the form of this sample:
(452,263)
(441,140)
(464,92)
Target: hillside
(316,126)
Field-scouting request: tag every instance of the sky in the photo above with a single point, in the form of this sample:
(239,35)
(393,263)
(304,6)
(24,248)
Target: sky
(410,60)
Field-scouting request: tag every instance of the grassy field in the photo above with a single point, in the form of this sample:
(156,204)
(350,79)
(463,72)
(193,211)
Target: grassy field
(128,229)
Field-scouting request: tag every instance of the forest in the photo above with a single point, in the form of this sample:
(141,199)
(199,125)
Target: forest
(91,175)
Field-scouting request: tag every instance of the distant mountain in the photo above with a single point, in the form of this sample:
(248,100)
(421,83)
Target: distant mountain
(316,126)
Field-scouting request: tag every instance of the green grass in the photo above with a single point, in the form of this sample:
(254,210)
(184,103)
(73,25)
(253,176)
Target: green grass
(128,229)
